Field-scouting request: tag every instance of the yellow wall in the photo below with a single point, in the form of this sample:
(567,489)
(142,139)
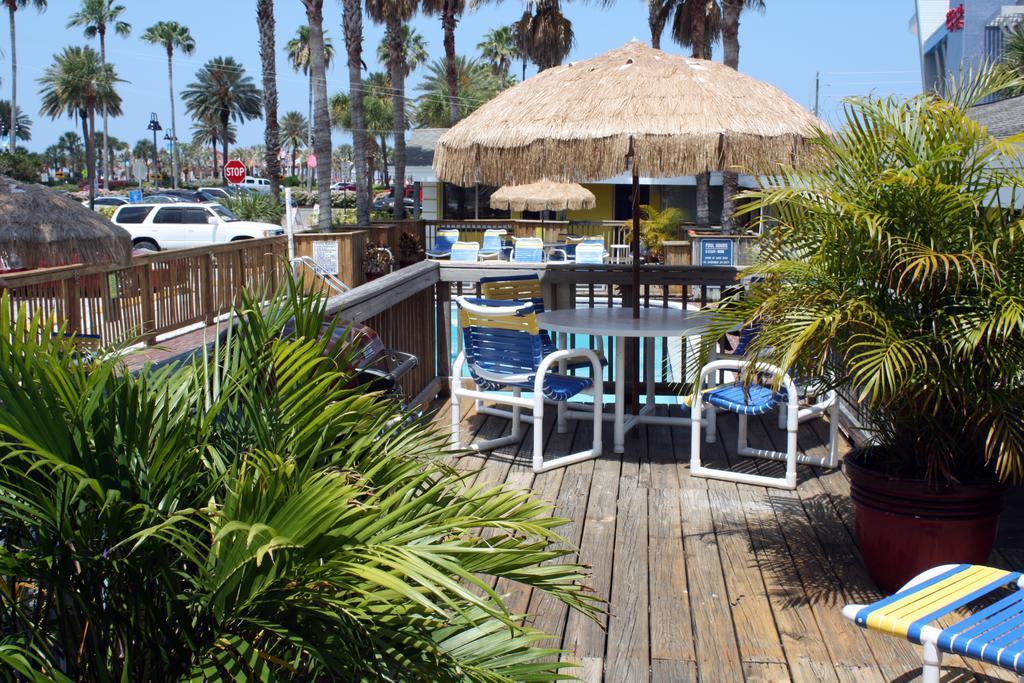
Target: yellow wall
(603,211)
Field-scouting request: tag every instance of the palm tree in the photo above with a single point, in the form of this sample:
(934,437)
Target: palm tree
(378,117)
(414,48)
(76,85)
(23,124)
(476,84)
(300,58)
(731,10)
(265,21)
(293,133)
(1013,54)
(393,14)
(223,91)
(697,25)
(321,116)
(72,150)
(450,11)
(172,36)
(657,16)
(94,17)
(498,48)
(546,34)
(207,131)
(12,7)
(352,23)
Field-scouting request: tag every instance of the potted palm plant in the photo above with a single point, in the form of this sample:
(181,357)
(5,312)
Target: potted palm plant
(894,269)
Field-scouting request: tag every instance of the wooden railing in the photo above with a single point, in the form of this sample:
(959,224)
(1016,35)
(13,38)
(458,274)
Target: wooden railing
(158,293)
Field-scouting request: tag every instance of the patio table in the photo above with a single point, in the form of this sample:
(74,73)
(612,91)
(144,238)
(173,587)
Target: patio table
(619,323)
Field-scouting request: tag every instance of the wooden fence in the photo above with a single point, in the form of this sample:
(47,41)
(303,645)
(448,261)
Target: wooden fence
(158,293)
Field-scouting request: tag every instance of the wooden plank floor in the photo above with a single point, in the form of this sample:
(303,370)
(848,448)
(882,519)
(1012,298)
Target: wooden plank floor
(708,580)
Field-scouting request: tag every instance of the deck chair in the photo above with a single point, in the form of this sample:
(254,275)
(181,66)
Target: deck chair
(758,399)
(503,351)
(992,631)
(443,244)
(528,250)
(527,288)
(465,252)
(493,247)
(590,253)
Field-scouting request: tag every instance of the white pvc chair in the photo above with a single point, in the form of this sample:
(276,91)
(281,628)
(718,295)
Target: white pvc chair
(758,399)
(528,250)
(503,350)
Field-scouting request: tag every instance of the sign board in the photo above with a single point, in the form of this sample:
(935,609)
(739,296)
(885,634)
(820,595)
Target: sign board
(955,18)
(135,197)
(140,170)
(58,174)
(311,161)
(234,171)
(717,252)
(325,253)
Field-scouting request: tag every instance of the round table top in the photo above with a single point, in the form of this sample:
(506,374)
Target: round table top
(619,322)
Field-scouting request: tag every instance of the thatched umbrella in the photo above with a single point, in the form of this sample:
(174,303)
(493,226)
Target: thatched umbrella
(544,195)
(40,227)
(633,109)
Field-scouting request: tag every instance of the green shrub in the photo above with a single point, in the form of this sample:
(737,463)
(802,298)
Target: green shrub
(290,181)
(251,515)
(107,211)
(339,200)
(21,166)
(250,206)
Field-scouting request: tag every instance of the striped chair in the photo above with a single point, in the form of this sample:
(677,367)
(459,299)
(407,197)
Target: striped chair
(465,252)
(992,632)
(590,253)
(493,247)
(528,250)
(503,351)
(443,243)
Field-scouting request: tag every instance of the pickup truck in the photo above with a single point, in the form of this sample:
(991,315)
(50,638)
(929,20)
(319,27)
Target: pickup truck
(187,224)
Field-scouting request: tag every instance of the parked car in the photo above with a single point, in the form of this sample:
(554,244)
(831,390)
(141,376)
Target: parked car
(187,224)
(261,185)
(107,201)
(217,192)
(162,198)
(343,187)
(387,203)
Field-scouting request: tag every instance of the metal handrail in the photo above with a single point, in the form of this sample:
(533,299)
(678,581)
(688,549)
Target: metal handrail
(330,279)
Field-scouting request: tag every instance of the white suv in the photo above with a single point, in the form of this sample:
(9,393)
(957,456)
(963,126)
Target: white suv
(186,224)
(261,185)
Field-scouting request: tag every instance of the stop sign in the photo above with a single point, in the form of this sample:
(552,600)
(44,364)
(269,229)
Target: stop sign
(234,171)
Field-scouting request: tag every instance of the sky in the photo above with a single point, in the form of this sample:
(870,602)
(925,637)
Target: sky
(859,47)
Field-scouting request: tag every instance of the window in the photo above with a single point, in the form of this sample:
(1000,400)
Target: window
(133,214)
(468,202)
(168,215)
(194,216)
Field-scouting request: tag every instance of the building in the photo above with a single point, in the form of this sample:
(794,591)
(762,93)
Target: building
(954,36)
(447,201)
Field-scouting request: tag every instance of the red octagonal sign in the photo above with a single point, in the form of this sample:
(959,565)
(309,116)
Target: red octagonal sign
(234,171)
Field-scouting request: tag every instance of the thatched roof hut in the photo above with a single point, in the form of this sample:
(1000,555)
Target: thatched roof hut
(40,227)
(581,121)
(543,196)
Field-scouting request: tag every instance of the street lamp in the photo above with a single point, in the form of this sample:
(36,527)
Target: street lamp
(154,125)
(172,144)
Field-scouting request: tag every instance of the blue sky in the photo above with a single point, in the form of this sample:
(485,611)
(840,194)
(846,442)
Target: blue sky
(859,47)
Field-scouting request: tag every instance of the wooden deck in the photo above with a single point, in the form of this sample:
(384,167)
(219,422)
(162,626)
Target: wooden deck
(708,580)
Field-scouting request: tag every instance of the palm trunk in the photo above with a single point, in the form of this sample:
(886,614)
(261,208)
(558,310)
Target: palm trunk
(448,22)
(309,137)
(213,143)
(271,140)
(89,128)
(322,119)
(224,122)
(398,107)
(104,157)
(731,57)
(656,17)
(384,160)
(14,80)
(353,27)
(293,160)
(175,158)
(700,51)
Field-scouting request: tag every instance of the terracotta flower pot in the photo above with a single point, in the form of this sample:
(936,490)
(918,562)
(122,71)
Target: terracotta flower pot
(905,526)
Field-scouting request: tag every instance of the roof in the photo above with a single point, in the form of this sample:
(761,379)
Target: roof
(419,146)
(1002,118)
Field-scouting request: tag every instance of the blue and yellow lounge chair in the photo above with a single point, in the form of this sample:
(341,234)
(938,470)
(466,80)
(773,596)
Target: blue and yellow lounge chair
(528,250)
(986,603)
(443,244)
(504,354)
(465,252)
(493,246)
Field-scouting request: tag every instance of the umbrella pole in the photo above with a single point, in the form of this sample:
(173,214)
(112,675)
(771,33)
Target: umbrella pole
(635,248)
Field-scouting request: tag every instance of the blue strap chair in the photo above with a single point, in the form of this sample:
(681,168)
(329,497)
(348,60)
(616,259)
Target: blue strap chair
(983,608)
(443,243)
(465,252)
(504,353)
(493,246)
(590,253)
(528,250)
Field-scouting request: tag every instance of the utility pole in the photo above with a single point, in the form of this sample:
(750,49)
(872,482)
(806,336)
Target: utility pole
(817,90)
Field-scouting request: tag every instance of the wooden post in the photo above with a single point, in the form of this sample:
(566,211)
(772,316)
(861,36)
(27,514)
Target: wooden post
(206,283)
(239,279)
(148,304)
(74,313)
(443,299)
